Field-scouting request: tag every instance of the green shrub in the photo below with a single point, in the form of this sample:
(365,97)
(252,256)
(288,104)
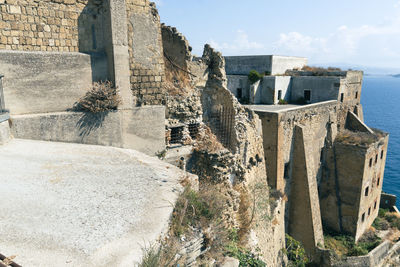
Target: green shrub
(282,102)
(102,97)
(382,212)
(357,251)
(254,76)
(295,252)
(158,256)
(380,224)
(344,245)
(245,257)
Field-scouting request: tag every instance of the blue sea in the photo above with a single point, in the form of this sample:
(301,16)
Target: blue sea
(381,102)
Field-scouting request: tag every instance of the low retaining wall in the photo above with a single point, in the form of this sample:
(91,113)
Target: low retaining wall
(5,134)
(142,129)
(373,259)
(388,201)
(38,82)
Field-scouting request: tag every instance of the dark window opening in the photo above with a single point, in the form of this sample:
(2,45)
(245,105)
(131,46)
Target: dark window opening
(370,162)
(341,97)
(279,94)
(176,135)
(258,158)
(286,172)
(376,159)
(369,211)
(194,130)
(375,205)
(379,181)
(252,162)
(356,95)
(239,93)
(363,217)
(382,154)
(94,44)
(307,95)
(366,191)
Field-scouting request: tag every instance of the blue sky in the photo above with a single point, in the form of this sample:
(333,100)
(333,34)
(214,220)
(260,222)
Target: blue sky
(353,32)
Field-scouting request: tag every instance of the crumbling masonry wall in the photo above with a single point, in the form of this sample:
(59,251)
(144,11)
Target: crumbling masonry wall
(145,52)
(50,25)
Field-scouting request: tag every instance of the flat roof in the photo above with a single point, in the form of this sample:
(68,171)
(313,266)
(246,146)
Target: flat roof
(268,56)
(285,108)
(82,205)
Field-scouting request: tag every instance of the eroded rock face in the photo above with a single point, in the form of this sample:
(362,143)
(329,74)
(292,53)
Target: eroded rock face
(229,151)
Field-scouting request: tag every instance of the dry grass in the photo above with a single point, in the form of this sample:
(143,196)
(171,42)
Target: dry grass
(207,141)
(177,81)
(102,97)
(320,69)
(356,138)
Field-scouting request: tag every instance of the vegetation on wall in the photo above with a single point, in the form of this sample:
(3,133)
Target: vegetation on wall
(295,252)
(344,245)
(282,102)
(101,97)
(356,138)
(386,220)
(254,76)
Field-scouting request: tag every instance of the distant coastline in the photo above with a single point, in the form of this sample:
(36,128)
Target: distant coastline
(395,75)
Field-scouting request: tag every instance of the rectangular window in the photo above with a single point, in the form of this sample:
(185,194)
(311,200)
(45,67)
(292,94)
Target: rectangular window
(382,154)
(341,97)
(369,211)
(279,94)
(366,191)
(307,95)
(194,130)
(363,217)
(176,135)
(375,205)
(239,93)
(376,158)
(356,95)
(370,162)
(379,181)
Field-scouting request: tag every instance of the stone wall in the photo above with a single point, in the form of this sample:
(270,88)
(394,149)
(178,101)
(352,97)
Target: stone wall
(123,128)
(38,82)
(274,65)
(278,129)
(342,86)
(236,82)
(352,184)
(145,52)
(50,25)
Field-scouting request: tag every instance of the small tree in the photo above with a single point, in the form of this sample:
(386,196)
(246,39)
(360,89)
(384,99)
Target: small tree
(254,76)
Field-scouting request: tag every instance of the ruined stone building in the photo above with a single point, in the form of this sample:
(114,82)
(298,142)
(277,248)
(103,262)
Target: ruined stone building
(200,113)
(321,154)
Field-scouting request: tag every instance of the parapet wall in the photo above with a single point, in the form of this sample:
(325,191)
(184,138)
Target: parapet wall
(124,128)
(123,38)
(48,25)
(146,59)
(37,82)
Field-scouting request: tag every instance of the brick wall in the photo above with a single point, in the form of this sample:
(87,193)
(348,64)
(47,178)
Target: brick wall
(84,26)
(46,25)
(145,52)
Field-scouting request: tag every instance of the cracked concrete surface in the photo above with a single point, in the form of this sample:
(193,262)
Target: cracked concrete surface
(80,205)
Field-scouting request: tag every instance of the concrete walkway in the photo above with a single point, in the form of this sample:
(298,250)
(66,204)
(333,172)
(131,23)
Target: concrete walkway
(80,205)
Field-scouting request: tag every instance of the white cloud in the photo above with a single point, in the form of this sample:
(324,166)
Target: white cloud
(241,44)
(344,43)
(158,2)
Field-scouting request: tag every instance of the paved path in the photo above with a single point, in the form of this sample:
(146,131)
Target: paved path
(80,205)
